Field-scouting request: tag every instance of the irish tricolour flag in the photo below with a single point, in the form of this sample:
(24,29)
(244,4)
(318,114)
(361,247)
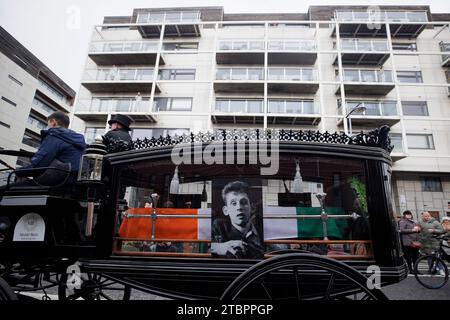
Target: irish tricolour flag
(199,228)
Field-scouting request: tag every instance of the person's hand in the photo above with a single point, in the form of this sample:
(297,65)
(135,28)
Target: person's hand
(233,246)
(416,229)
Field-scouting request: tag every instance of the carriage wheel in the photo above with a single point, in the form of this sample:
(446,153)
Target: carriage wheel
(6,293)
(94,287)
(301,277)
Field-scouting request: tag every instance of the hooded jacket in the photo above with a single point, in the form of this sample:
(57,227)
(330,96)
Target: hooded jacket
(59,143)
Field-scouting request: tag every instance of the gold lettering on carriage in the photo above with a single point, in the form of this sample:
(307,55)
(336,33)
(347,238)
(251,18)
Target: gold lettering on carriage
(264,153)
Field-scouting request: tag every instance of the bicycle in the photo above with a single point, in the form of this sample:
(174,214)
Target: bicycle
(430,270)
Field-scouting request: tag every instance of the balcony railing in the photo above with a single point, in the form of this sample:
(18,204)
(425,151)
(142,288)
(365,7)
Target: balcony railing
(240,74)
(239,106)
(372,108)
(291,45)
(118,74)
(356,45)
(36,123)
(125,46)
(358,75)
(169,16)
(244,45)
(292,74)
(53,92)
(445,47)
(383,16)
(125,105)
(291,106)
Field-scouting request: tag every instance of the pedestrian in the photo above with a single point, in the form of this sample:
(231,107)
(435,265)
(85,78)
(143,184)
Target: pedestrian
(429,227)
(409,235)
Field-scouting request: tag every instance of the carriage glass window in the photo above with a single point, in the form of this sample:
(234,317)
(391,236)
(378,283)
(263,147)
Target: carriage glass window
(317,204)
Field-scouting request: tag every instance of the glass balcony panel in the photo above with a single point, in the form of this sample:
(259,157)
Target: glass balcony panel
(173,16)
(364,45)
(190,16)
(237,106)
(417,16)
(131,46)
(292,45)
(155,17)
(256,45)
(255,74)
(223,74)
(344,15)
(142,18)
(389,109)
(239,74)
(276,74)
(361,15)
(144,74)
(308,107)
(293,74)
(240,45)
(372,109)
(307,75)
(276,106)
(352,105)
(225,45)
(396,15)
(275,45)
(347,44)
(222,105)
(385,76)
(380,46)
(351,75)
(254,106)
(368,76)
(293,106)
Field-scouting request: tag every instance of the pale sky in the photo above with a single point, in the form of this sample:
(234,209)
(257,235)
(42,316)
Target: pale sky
(48,30)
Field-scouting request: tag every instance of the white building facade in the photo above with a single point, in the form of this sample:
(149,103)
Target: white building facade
(342,68)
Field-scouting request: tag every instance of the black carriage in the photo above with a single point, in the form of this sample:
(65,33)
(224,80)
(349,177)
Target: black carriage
(324,219)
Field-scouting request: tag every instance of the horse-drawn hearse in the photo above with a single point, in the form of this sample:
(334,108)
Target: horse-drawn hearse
(232,214)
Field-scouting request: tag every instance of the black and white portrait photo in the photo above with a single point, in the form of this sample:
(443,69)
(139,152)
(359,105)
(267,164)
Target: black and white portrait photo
(237,229)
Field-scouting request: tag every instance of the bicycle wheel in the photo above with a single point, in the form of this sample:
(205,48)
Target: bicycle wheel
(431,272)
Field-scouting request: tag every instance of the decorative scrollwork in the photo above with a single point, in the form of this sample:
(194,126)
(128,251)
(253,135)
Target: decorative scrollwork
(378,137)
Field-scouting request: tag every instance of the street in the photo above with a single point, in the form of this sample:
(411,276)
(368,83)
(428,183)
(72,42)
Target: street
(408,289)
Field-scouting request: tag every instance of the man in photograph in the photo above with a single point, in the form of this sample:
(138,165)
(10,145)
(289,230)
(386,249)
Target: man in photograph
(236,235)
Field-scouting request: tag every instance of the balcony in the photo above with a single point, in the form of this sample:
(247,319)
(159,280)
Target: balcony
(239,80)
(376,114)
(292,80)
(299,52)
(112,80)
(445,47)
(367,82)
(292,112)
(240,52)
(363,52)
(52,94)
(125,52)
(238,111)
(402,24)
(98,109)
(177,24)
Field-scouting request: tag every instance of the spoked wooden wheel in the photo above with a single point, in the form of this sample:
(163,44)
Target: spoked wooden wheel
(6,294)
(299,276)
(93,287)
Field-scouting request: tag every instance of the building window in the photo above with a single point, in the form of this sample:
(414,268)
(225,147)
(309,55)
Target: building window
(180,46)
(157,132)
(431,184)
(37,121)
(9,101)
(173,104)
(31,139)
(401,46)
(409,76)
(415,108)
(397,142)
(43,105)
(177,74)
(4,124)
(420,141)
(52,90)
(15,80)
(90,133)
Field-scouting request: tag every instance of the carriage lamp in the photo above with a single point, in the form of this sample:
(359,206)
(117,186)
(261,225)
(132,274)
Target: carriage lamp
(90,174)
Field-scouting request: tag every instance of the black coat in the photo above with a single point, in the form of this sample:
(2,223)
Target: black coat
(119,134)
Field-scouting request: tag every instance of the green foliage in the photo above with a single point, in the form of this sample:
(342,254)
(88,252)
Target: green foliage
(360,189)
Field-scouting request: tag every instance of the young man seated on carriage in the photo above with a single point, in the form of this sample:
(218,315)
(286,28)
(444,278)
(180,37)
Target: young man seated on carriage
(61,148)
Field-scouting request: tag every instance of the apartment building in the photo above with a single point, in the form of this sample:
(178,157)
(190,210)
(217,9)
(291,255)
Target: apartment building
(333,68)
(29,92)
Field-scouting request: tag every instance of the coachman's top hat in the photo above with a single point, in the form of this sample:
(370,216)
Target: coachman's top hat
(122,119)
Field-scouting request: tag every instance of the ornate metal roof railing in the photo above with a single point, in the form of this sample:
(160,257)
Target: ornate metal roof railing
(378,137)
